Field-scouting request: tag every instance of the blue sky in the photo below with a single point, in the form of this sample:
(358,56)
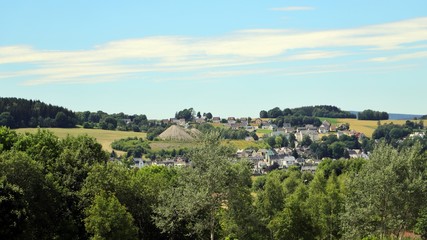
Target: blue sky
(231,58)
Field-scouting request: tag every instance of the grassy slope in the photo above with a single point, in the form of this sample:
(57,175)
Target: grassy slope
(363,126)
(104,137)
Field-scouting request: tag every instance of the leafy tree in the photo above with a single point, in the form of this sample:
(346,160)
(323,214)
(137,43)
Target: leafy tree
(7,139)
(287,112)
(421,225)
(293,222)
(7,120)
(28,200)
(338,150)
(306,141)
(191,205)
(61,120)
(209,115)
(279,141)
(108,219)
(292,140)
(387,194)
(270,198)
(199,115)
(263,114)
(274,113)
(271,141)
(187,114)
(13,210)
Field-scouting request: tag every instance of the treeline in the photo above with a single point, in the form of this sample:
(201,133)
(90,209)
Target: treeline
(297,121)
(309,111)
(22,113)
(372,115)
(67,189)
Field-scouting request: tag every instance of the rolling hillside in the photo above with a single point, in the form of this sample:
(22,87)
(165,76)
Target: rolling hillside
(104,137)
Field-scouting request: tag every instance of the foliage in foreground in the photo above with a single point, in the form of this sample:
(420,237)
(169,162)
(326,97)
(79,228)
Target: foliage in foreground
(66,189)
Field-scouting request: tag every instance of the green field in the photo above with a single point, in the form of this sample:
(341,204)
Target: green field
(262,132)
(364,126)
(104,137)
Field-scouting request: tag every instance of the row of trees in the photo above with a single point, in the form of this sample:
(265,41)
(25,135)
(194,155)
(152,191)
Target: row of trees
(22,113)
(297,120)
(372,115)
(309,111)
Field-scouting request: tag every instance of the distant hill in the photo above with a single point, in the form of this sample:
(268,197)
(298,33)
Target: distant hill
(398,116)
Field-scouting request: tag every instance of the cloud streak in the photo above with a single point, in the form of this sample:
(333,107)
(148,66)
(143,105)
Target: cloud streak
(114,60)
(293,8)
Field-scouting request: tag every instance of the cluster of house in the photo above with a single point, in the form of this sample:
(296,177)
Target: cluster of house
(308,130)
(264,159)
(258,123)
(170,162)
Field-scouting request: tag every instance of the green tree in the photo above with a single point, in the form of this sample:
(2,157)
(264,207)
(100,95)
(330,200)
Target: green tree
(279,141)
(13,210)
(61,120)
(137,190)
(31,199)
(294,221)
(187,114)
(7,138)
(306,141)
(191,205)
(6,119)
(263,114)
(209,115)
(421,225)
(387,194)
(292,139)
(275,113)
(108,219)
(337,149)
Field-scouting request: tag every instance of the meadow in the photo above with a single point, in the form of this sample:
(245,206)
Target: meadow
(364,126)
(104,137)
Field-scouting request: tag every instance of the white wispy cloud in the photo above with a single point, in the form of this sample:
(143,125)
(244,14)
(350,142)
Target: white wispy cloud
(400,57)
(293,8)
(128,57)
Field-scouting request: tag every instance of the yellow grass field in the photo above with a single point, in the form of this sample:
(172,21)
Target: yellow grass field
(104,137)
(365,126)
(243,144)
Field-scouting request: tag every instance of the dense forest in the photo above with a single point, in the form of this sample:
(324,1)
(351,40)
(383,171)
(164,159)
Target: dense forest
(308,111)
(53,188)
(372,115)
(22,113)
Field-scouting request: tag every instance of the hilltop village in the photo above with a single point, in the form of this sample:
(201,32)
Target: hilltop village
(286,146)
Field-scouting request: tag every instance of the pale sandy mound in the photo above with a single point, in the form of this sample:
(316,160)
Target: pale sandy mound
(195,132)
(175,132)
